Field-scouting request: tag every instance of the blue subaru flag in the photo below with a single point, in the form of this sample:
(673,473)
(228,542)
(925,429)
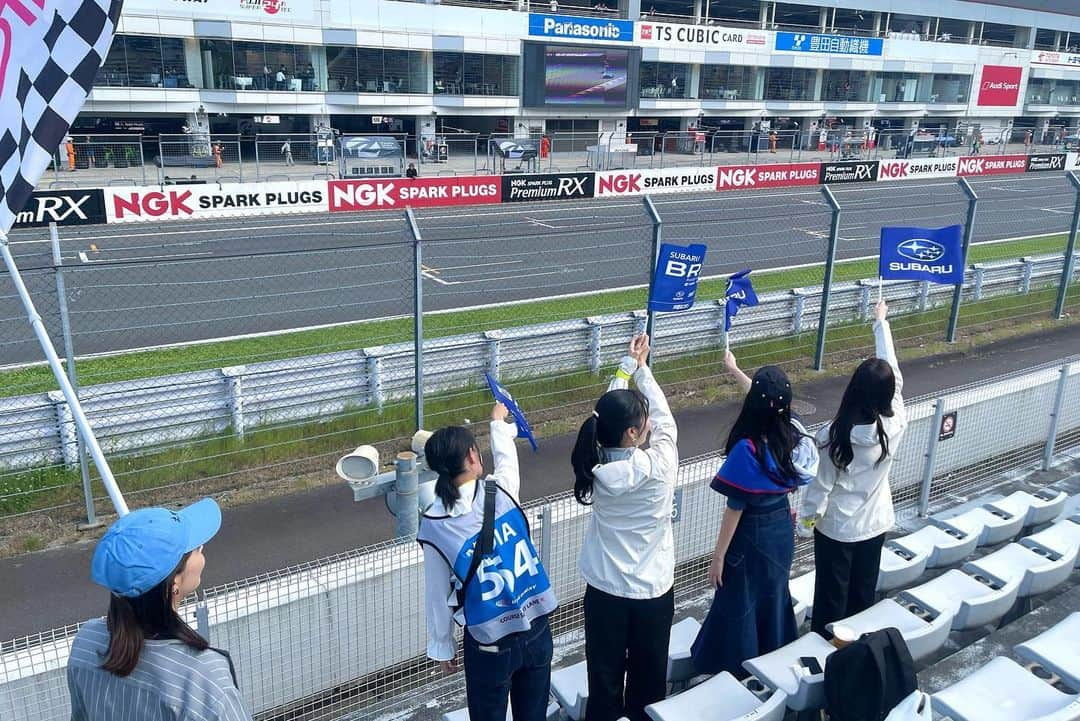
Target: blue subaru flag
(933,254)
(739,293)
(503,396)
(676,278)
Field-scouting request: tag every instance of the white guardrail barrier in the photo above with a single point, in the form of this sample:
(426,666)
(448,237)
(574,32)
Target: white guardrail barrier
(304,632)
(130,416)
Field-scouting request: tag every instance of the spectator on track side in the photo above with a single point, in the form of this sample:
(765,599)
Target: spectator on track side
(769,456)
(143,661)
(628,554)
(848,508)
(475,537)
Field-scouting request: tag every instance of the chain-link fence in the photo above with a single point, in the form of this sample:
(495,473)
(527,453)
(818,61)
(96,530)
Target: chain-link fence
(345,636)
(201,156)
(294,157)
(89,161)
(221,353)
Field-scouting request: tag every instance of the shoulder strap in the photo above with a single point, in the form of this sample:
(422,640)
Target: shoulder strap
(484,542)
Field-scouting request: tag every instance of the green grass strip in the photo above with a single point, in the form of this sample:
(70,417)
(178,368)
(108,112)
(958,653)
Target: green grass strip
(167,361)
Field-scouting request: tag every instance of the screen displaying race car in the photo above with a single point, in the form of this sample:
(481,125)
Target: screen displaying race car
(585,76)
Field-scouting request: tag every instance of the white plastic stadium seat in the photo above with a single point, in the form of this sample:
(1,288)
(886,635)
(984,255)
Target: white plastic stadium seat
(781,671)
(462,714)
(1063,537)
(1036,567)
(1003,690)
(680,667)
(945,546)
(900,567)
(923,635)
(1037,508)
(570,687)
(1057,649)
(721,698)
(992,526)
(973,602)
(802,596)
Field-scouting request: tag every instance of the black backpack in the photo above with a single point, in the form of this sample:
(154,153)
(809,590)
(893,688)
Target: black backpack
(866,679)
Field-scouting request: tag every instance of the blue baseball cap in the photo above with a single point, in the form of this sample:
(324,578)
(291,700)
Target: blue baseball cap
(140,550)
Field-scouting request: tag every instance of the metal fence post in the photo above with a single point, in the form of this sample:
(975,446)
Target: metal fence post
(142,161)
(258,170)
(406,483)
(69,358)
(596,330)
(1055,416)
(969,230)
(657,238)
(234,393)
(931,450)
(202,616)
(1070,249)
(826,288)
(545,536)
(418,316)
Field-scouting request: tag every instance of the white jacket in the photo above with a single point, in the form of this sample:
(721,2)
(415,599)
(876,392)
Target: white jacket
(629,550)
(855,504)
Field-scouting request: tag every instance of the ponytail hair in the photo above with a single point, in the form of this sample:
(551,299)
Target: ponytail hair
(132,621)
(445,453)
(615,412)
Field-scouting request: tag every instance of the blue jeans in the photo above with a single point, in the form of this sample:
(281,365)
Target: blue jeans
(518,666)
(751,612)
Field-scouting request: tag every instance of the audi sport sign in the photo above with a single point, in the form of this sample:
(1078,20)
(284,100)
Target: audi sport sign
(179,202)
(767,176)
(992,165)
(400,193)
(915,169)
(611,183)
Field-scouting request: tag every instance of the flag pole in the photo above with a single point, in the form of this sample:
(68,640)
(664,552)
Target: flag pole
(879,291)
(72,399)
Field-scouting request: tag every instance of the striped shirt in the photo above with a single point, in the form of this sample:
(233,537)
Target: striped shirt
(172,682)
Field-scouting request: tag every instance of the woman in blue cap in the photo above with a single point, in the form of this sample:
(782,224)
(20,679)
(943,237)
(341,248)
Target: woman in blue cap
(768,456)
(144,662)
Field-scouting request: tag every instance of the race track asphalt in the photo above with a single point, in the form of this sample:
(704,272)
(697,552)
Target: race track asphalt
(142,285)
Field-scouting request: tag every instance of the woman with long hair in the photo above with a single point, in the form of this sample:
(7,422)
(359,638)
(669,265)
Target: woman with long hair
(848,508)
(628,554)
(769,456)
(500,593)
(143,661)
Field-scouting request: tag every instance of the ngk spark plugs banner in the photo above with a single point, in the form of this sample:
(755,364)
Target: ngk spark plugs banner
(400,193)
(180,202)
(767,176)
(992,165)
(610,183)
(915,169)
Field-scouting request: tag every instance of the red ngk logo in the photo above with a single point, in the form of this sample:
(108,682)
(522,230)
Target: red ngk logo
(971,166)
(153,204)
(736,178)
(363,195)
(624,183)
(893,169)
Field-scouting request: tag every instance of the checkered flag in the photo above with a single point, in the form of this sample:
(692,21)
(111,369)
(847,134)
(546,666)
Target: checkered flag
(50,53)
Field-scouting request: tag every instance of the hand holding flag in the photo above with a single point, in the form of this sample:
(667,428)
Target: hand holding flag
(503,396)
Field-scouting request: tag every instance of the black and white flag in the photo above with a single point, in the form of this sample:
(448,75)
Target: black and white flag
(50,53)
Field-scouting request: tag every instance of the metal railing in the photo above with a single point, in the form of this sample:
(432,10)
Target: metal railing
(346,635)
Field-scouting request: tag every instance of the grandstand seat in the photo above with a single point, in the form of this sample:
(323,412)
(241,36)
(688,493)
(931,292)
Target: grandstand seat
(993,526)
(1062,537)
(1036,567)
(721,698)
(900,567)
(1057,650)
(680,667)
(781,671)
(1037,508)
(945,546)
(973,602)
(923,635)
(1003,690)
(462,714)
(802,596)
(570,687)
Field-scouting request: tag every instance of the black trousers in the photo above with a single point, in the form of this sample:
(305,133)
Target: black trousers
(626,650)
(845,578)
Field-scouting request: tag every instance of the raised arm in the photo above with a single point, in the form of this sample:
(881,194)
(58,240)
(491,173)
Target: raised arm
(886,351)
(663,445)
(504,451)
(741,379)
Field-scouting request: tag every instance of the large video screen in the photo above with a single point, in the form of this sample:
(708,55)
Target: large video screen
(579,76)
(585,76)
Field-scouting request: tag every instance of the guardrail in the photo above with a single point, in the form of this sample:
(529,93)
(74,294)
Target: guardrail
(346,634)
(138,415)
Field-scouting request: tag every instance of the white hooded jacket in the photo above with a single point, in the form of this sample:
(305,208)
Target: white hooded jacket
(855,504)
(629,550)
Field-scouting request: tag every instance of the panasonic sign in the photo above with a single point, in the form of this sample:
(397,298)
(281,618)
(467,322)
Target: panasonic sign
(568,27)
